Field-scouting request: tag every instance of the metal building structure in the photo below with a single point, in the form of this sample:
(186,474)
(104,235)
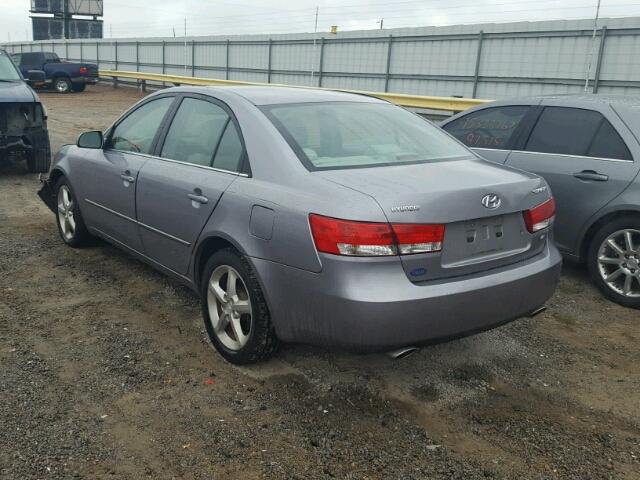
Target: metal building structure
(472,61)
(54,19)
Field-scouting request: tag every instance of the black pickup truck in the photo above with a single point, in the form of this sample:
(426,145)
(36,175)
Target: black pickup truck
(23,118)
(62,76)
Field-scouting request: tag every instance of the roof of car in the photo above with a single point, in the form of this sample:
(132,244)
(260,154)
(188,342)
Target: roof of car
(580,98)
(271,95)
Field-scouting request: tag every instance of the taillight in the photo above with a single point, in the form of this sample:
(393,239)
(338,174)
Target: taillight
(344,237)
(84,70)
(416,238)
(347,237)
(541,216)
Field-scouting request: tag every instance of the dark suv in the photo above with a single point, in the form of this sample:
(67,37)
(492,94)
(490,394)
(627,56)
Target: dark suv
(64,77)
(23,119)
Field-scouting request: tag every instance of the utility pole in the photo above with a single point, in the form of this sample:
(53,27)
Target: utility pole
(185,46)
(381,22)
(65,19)
(593,46)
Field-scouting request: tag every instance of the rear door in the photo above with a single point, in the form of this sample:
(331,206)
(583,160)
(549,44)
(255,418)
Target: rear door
(584,156)
(490,131)
(201,155)
(109,176)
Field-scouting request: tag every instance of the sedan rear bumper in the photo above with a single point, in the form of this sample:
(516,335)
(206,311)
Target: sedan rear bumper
(372,306)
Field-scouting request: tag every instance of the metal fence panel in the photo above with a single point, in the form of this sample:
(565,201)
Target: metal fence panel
(486,61)
(446,57)
(361,57)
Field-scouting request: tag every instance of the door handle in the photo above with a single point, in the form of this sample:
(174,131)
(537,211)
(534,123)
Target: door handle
(591,175)
(126,176)
(198,198)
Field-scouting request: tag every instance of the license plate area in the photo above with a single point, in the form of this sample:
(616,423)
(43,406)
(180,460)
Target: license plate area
(485,235)
(483,240)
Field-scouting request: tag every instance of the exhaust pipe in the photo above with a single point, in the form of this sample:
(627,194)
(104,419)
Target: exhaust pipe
(536,312)
(401,352)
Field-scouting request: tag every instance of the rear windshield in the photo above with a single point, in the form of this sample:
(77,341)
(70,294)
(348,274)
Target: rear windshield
(333,135)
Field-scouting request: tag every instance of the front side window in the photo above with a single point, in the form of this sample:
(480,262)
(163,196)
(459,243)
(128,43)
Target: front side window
(29,59)
(488,128)
(334,135)
(136,132)
(195,132)
(8,71)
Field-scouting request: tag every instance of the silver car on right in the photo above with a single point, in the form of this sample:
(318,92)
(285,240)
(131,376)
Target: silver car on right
(587,148)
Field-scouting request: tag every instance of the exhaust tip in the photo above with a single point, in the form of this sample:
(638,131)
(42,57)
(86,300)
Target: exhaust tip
(401,353)
(536,312)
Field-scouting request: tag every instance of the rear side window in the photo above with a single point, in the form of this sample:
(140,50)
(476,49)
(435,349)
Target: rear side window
(575,131)
(229,153)
(195,132)
(488,128)
(608,144)
(136,132)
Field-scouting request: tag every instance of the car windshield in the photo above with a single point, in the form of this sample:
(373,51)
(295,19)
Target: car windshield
(334,135)
(8,71)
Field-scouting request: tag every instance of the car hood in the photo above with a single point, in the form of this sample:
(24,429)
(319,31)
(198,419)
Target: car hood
(18,91)
(442,192)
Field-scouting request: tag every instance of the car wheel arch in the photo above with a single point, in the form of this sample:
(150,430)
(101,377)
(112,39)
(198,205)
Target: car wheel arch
(598,223)
(55,174)
(207,247)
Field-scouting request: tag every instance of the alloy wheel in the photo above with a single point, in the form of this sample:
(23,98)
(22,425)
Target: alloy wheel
(62,86)
(619,262)
(65,213)
(229,307)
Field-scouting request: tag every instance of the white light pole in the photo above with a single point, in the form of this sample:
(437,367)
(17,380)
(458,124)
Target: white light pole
(313,57)
(593,47)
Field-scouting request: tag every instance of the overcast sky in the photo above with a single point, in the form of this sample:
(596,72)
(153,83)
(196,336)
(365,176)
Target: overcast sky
(126,18)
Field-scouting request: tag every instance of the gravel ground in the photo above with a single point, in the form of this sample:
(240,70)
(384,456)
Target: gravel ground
(106,373)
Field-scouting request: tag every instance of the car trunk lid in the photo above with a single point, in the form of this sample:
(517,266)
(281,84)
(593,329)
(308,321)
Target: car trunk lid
(477,236)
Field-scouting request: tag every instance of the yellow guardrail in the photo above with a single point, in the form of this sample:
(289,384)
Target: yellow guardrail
(415,101)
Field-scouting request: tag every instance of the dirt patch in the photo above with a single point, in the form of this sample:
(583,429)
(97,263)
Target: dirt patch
(106,373)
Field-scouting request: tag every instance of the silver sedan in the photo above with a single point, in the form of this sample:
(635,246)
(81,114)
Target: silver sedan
(311,216)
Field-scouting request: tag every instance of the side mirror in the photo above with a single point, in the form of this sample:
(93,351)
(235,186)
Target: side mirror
(90,140)
(36,77)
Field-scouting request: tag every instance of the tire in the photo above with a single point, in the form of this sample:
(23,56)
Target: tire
(621,266)
(62,84)
(39,161)
(79,87)
(71,226)
(247,311)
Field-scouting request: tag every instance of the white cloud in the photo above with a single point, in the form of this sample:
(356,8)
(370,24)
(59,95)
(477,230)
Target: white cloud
(211,17)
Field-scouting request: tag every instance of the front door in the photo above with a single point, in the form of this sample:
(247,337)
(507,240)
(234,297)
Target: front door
(109,176)
(178,192)
(585,161)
